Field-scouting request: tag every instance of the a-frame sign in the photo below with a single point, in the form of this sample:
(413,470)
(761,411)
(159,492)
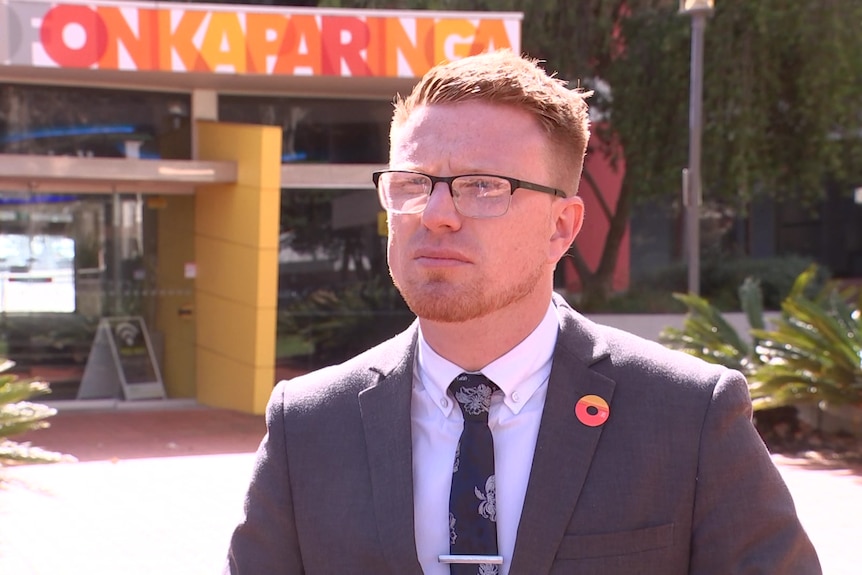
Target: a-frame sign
(121,362)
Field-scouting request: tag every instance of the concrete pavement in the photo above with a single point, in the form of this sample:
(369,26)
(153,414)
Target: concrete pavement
(159,491)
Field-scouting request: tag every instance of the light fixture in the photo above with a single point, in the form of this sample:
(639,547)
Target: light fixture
(689,6)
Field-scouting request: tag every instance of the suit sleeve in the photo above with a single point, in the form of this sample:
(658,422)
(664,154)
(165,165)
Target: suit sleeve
(266,541)
(745,521)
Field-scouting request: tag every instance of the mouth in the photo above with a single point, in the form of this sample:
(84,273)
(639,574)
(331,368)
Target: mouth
(440,257)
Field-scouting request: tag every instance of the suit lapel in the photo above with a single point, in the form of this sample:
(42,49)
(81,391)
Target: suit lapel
(564,448)
(385,410)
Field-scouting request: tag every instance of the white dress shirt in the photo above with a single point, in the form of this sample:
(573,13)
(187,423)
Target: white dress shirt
(522,374)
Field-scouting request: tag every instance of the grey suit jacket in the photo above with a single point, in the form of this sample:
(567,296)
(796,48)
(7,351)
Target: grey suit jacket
(675,481)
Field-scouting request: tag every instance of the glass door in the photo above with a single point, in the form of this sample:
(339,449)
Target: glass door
(65,262)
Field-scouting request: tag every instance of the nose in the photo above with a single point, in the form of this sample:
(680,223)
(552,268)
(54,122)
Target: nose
(440,210)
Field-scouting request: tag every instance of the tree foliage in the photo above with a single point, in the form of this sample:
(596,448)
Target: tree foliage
(782,96)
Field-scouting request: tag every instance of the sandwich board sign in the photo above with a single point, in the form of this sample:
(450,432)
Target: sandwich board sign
(121,362)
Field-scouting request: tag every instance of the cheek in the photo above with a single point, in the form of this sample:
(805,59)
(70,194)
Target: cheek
(526,243)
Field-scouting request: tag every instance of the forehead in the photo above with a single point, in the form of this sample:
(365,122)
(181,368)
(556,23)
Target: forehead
(467,135)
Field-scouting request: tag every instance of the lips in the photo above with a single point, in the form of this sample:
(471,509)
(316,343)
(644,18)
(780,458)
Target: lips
(442,256)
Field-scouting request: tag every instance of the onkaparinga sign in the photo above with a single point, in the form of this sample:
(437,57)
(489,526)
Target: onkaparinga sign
(244,39)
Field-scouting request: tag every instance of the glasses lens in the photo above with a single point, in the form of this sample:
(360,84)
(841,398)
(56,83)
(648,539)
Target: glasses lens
(482,196)
(403,192)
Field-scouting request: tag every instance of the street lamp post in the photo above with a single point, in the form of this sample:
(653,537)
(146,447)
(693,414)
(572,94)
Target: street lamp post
(698,10)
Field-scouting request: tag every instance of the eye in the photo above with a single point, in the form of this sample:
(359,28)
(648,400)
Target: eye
(405,183)
(482,186)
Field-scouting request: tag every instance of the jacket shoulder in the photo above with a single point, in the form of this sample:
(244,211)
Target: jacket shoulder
(625,356)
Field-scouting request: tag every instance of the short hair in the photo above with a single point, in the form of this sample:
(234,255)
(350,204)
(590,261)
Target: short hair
(503,77)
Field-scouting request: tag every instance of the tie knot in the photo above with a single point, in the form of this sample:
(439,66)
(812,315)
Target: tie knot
(473,393)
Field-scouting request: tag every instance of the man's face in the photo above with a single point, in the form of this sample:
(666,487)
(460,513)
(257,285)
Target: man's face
(451,268)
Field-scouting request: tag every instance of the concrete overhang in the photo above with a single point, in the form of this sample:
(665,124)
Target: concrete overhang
(58,174)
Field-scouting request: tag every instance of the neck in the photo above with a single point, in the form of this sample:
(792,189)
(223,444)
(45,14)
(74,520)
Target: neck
(473,344)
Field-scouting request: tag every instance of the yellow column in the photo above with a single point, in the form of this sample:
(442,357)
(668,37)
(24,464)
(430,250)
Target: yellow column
(236,250)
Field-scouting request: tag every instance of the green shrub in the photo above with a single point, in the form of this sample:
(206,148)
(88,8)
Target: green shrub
(644,299)
(720,280)
(340,324)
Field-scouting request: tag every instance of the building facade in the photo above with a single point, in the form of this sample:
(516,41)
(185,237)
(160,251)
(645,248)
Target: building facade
(205,171)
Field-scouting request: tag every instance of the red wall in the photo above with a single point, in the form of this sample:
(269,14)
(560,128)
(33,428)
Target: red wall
(591,240)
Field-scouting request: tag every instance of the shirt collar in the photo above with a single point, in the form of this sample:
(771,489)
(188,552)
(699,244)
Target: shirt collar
(518,373)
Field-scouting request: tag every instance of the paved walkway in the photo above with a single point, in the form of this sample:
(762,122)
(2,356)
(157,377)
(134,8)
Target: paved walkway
(159,491)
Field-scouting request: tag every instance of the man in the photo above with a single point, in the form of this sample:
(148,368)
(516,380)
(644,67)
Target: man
(609,454)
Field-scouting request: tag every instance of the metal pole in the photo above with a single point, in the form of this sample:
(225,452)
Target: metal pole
(117,231)
(698,24)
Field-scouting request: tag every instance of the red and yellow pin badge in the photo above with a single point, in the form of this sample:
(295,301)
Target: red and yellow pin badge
(592,410)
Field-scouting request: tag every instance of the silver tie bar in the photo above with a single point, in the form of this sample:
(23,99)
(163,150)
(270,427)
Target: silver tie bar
(471,559)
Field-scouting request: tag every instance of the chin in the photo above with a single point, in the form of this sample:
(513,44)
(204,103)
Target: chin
(435,305)
(444,312)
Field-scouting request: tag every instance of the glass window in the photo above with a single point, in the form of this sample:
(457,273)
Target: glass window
(318,130)
(90,122)
(335,295)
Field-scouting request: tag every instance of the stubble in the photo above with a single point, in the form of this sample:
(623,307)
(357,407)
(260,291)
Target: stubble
(438,298)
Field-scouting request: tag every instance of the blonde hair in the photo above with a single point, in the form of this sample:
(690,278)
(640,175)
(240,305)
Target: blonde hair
(502,77)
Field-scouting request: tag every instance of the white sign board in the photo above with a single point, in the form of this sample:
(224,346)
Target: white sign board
(122,362)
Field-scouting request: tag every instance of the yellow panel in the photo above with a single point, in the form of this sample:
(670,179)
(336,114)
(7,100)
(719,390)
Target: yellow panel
(255,148)
(237,273)
(240,214)
(228,384)
(264,381)
(175,247)
(232,385)
(250,337)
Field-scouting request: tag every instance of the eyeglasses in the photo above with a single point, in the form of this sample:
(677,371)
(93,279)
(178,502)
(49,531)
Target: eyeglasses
(474,195)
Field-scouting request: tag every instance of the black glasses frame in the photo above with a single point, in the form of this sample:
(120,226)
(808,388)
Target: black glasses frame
(514,183)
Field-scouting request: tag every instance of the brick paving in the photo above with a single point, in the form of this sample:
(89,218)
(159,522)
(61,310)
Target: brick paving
(159,491)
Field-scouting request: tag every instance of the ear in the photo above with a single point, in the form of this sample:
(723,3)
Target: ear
(567,218)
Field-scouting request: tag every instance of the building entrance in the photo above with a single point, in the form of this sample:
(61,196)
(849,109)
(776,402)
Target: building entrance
(66,261)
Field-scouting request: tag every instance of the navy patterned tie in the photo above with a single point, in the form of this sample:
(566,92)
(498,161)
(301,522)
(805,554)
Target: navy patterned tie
(473,499)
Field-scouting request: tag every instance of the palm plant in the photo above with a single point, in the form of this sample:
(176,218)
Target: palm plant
(18,415)
(813,354)
(707,335)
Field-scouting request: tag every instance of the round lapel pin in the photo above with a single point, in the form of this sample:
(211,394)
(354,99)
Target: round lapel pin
(592,410)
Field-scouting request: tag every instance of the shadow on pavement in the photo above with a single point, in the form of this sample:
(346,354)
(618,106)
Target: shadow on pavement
(131,434)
